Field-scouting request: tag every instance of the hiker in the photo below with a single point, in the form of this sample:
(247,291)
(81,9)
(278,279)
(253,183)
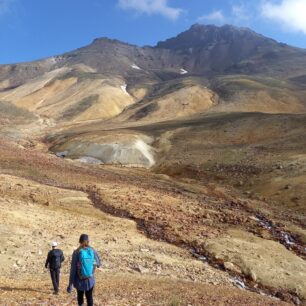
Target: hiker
(54,262)
(84,261)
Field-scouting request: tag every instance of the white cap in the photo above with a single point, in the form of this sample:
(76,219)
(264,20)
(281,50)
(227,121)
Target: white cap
(54,244)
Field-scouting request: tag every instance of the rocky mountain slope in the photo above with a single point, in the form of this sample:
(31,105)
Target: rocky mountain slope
(238,66)
(211,50)
(210,128)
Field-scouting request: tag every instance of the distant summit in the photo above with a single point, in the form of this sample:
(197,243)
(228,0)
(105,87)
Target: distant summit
(211,49)
(204,35)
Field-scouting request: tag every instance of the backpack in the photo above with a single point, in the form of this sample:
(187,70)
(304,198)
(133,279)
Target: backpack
(86,263)
(56,259)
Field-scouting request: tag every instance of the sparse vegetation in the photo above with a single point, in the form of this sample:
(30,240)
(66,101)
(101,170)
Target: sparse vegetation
(80,107)
(10,111)
(175,301)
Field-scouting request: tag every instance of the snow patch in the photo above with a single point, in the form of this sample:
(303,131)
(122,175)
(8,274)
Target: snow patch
(199,256)
(52,60)
(124,87)
(238,282)
(90,160)
(135,67)
(183,71)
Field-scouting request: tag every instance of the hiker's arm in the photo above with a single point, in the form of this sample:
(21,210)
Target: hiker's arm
(97,259)
(73,269)
(62,257)
(48,260)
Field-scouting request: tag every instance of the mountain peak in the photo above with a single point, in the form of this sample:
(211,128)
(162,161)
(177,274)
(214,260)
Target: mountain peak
(201,35)
(201,26)
(103,40)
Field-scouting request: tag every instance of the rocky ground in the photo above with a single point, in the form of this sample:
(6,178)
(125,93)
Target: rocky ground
(125,289)
(151,273)
(158,236)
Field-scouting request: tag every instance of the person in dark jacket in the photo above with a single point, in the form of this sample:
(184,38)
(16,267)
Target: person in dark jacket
(83,285)
(54,262)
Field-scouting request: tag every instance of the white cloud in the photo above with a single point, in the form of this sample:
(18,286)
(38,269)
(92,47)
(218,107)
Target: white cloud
(240,13)
(151,7)
(215,16)
(5,6)
(290,13)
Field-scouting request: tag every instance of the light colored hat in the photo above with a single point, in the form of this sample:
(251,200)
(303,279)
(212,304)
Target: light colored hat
(54,244)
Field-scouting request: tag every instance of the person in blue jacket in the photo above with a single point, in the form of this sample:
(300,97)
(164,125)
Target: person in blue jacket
(84,261)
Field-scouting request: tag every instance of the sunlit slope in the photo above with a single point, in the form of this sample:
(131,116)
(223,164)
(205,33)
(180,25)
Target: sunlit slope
(164,101)
(242,93)
(71,95)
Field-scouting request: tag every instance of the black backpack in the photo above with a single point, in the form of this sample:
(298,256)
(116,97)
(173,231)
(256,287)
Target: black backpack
(56,259)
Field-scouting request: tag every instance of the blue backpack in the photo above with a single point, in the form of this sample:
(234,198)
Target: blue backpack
(86,263)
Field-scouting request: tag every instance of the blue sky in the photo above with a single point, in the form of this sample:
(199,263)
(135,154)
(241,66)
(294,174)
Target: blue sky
(33,29)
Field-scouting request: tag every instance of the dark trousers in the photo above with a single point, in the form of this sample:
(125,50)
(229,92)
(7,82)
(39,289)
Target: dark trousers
(88,295)
(55,276)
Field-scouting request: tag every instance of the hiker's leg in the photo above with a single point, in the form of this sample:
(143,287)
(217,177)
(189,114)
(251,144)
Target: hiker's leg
(53,278)
(89,297)
(80,297)
(57,278)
